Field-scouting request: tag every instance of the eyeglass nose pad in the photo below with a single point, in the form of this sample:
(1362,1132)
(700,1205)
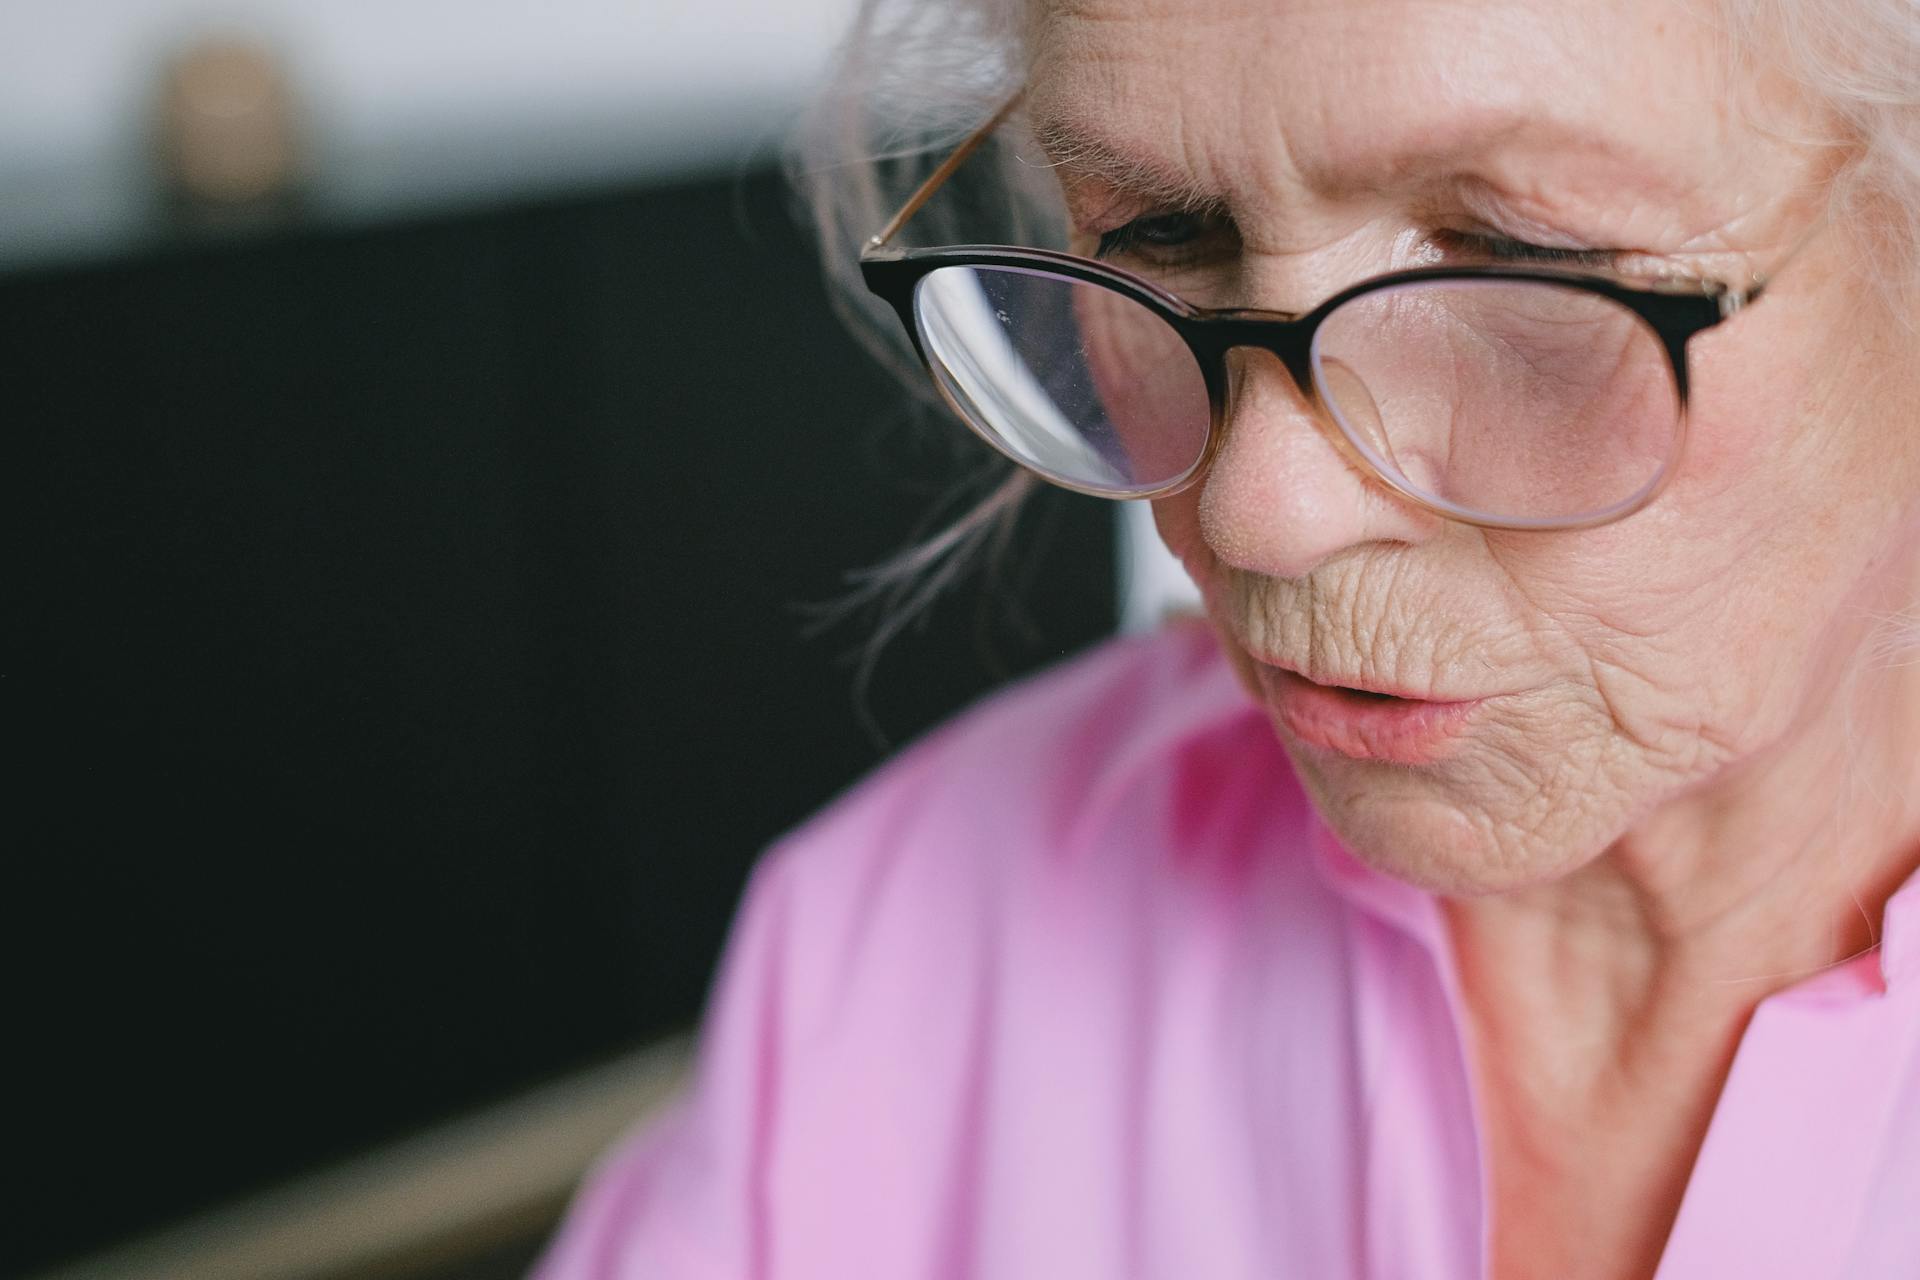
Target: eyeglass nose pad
(1349,405)
(1354,415)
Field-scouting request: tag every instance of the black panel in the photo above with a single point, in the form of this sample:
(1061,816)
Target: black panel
(408,665)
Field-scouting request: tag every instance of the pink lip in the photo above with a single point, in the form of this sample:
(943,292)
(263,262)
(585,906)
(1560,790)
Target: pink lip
(1361,726)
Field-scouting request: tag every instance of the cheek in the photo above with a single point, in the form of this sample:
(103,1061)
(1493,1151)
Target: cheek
(1788,416)
(1785,499)
(1693,630)
(1151,395)
(1177,519)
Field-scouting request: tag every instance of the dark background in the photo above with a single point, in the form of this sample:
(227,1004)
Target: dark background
(407,663)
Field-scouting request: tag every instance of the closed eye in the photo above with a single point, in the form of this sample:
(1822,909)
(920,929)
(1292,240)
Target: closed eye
(1161,236)
(1505,249)
(1169,236)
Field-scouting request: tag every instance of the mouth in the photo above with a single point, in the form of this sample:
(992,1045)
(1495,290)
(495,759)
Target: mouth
(1366,724)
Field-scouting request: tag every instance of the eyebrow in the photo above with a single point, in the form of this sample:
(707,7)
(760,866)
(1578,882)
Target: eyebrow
(1085,156)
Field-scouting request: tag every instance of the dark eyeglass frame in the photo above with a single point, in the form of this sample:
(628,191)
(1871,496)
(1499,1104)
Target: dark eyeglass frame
(1675,310)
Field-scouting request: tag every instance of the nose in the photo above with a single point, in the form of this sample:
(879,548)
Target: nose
(1280,497)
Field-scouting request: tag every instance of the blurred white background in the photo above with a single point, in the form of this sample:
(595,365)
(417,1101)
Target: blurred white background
(406,103)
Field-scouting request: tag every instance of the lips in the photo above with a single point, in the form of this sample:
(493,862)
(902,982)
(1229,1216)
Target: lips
(1366,724)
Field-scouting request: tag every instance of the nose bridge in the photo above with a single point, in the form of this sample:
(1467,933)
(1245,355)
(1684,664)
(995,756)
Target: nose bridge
(1286,489)
(1270,391)
(1251,350)
(1284,336)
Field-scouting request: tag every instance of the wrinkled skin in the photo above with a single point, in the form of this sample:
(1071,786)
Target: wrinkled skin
(1697,763)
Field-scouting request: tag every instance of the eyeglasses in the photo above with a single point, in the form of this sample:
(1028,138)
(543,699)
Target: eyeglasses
(1504,396)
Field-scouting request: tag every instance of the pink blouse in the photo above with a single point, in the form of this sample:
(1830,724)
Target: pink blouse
(1080,987)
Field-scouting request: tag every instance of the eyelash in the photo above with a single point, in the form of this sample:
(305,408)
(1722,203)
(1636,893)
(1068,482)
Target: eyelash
(1506,249)
(1141,233)
(1175,231)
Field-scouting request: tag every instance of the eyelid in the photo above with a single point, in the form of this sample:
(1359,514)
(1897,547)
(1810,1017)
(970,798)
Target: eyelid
(1125,236)
(1481,243)
(1506,248)
(1636,267)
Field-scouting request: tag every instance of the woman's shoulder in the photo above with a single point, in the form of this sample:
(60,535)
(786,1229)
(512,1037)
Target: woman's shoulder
(969,943)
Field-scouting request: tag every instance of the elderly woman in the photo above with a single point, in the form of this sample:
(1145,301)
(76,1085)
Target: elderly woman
(1517,878)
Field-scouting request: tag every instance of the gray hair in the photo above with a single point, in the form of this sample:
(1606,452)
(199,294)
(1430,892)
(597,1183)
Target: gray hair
(1861,58)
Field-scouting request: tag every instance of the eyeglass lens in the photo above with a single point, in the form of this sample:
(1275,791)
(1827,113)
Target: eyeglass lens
(1509,400)
(1081,383)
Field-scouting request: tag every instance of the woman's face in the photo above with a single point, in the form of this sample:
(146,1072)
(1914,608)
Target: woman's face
(1266,153)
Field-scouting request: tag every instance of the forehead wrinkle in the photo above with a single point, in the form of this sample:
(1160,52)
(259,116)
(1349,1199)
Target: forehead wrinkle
(1533,162)
(1521,100)
(1518,151)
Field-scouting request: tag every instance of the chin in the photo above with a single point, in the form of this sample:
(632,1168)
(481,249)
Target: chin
(1412,825)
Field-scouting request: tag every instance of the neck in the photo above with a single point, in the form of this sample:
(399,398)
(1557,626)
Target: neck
(1605,1008)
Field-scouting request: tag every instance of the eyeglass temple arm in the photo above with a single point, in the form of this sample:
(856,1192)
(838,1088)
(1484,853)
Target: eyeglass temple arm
(1735,299)
(925,190)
